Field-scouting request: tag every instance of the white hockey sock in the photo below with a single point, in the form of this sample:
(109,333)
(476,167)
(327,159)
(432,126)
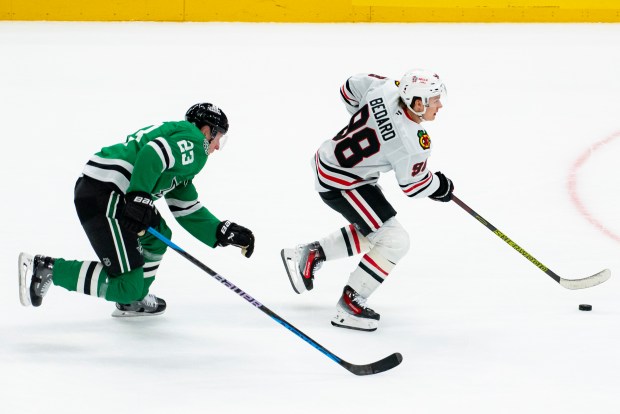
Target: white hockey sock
(345,242)
(370,273)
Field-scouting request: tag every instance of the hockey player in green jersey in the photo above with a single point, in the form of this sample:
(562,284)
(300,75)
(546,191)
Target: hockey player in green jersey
(114,201)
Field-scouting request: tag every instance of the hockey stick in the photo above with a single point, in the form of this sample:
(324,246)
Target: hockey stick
(586,282)
(385,364)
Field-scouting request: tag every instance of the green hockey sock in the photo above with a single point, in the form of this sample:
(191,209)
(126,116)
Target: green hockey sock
(79,276)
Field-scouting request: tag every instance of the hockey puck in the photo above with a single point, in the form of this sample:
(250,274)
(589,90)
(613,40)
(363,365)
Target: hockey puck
(585,307)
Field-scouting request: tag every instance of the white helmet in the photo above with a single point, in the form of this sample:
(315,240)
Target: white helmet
(420,83)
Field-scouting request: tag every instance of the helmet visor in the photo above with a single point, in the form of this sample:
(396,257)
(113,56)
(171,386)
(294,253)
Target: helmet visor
(215,130)
(223,136)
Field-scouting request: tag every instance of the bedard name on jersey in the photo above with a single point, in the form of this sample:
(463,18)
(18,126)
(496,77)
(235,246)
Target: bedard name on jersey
(380,113)
(380,137)
(384,133)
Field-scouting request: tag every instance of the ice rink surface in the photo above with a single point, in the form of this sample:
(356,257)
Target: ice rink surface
(530,137)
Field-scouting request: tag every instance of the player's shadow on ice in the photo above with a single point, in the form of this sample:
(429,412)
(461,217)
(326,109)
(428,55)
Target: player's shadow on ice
(136,343)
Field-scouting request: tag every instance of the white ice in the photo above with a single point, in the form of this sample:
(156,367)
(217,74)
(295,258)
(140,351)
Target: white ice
(481,329)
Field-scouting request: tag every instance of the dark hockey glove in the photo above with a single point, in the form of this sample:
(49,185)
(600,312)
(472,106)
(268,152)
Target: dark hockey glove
(444,192)
(139,212)
(231,233)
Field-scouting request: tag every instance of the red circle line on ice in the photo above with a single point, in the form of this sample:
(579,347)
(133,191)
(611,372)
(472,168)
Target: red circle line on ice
(572,185)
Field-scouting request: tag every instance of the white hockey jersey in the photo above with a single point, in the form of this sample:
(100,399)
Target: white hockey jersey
(380,137)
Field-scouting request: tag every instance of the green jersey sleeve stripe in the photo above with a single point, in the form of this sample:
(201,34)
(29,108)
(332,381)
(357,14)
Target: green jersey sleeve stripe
(164,152)
(114,171)
(113,161)
(180,208)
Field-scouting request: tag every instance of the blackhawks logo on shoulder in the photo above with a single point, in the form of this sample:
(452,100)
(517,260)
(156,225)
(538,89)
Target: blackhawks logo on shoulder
(425,140)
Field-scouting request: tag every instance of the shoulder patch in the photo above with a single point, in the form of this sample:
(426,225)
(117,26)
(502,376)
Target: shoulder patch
(425,140)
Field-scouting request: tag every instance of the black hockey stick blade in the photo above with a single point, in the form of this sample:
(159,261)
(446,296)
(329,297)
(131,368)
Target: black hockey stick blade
(385,364)
(586,282)
(368,369)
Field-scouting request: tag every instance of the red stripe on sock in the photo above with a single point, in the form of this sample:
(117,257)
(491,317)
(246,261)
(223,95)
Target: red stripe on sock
(356,240)
(372,262)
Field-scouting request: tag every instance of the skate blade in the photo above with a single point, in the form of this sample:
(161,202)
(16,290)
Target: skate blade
(357,324)
(130,314)
(353,327)
(289,265)
(24,266)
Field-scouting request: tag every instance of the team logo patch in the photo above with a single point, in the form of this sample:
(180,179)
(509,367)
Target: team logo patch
(425,140)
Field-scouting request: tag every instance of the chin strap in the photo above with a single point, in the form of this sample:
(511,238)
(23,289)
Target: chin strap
(420,113)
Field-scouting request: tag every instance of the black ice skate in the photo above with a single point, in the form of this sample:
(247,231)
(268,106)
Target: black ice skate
(149,306)
(35,278)
(301,264)
(352,313)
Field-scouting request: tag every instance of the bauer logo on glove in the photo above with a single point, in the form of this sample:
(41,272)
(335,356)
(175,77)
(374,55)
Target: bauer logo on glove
(139,212)
(229,233)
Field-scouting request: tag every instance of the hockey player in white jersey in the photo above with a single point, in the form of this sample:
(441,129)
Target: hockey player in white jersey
(385,133)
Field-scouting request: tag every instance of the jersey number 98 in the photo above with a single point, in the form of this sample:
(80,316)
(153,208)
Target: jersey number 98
(356,140)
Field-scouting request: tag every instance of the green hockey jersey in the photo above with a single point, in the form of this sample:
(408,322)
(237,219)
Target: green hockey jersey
(161,160)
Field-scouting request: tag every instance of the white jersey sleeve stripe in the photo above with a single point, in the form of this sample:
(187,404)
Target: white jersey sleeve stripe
(113,162)
(419,186)
(180,208)
(160,154)
(109,176)
(348,99)
(167,150)
(163,150)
